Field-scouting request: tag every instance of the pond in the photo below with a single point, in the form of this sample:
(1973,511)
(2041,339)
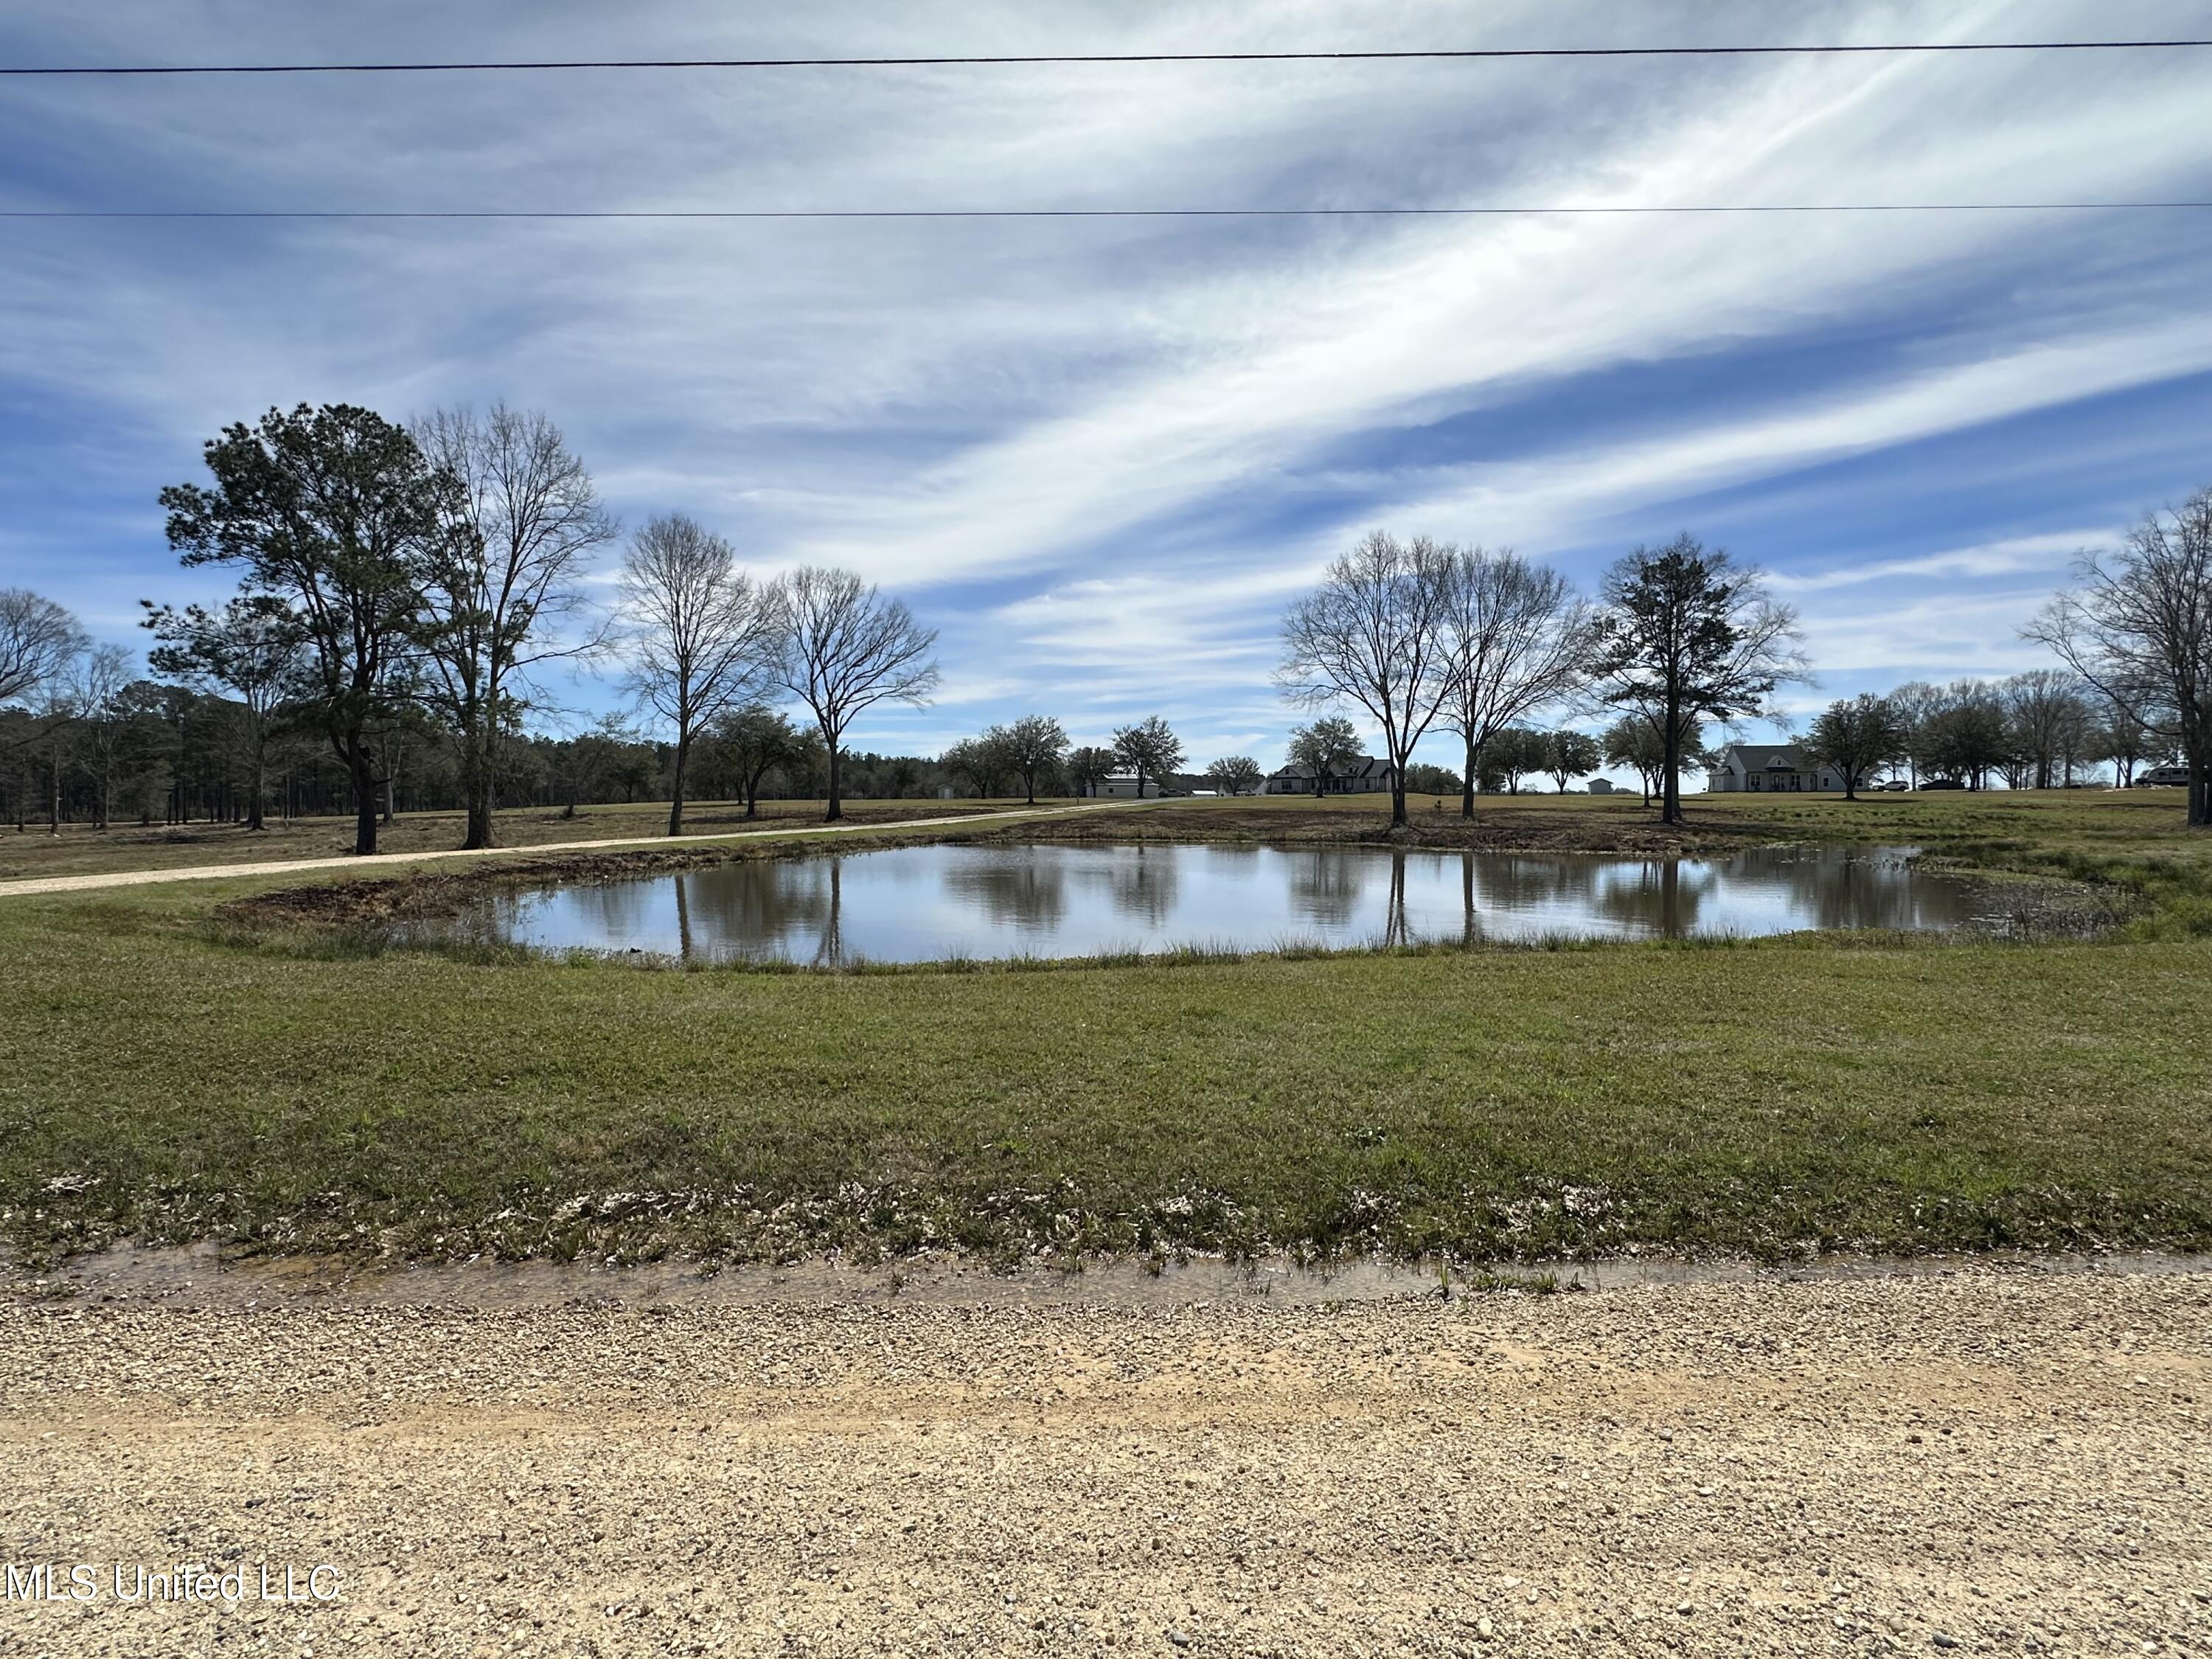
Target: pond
(935,903)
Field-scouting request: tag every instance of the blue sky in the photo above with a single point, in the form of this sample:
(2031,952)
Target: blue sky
(1100,456)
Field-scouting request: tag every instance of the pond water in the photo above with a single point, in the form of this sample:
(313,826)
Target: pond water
(932,904)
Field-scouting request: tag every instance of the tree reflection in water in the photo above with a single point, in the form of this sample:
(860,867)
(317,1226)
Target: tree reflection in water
(1022,892)
(925,903)
(1146,880)
(1326,883)
(763,912)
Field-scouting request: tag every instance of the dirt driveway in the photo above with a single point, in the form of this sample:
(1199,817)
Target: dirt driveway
(1990,1461)
(34,884)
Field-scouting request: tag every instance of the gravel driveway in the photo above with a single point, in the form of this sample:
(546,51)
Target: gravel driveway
(1983,1461)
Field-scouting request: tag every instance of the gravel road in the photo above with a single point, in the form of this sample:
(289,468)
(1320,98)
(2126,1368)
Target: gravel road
(1985,1461)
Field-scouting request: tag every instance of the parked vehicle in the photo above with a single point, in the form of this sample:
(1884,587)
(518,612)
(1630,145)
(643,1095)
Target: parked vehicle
(2163,777)
(1894,785)
(1941,783)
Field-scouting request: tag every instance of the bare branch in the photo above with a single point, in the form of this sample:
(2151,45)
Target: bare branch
(846,649)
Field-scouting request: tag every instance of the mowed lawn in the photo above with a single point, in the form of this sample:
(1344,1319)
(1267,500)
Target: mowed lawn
(1772,1098)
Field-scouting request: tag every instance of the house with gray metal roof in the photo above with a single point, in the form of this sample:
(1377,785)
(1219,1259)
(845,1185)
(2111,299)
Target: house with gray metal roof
(1772,768)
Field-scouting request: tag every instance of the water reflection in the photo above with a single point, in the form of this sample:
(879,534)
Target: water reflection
(1026,893)
(925,903)
(1326,883)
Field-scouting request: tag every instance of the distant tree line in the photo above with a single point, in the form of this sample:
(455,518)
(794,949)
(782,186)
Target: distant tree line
(404,590)
(401,591)
(1424,635)
(2043,729)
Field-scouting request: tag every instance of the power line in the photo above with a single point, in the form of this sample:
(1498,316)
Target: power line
(1098,213)
(1437,54)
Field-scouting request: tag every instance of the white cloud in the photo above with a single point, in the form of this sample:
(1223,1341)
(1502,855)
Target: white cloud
(2052,552)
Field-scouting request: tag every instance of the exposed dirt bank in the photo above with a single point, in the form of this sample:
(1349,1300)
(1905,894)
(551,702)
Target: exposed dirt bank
(206,1275)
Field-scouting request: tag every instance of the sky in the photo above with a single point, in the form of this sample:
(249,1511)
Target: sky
(1100,456)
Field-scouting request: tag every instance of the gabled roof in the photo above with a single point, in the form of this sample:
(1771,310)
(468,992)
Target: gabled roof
(1366,766)
(1759,756)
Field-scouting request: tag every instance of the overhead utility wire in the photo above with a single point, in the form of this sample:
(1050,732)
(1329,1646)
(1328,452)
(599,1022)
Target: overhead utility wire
(949,61)
(1091,213)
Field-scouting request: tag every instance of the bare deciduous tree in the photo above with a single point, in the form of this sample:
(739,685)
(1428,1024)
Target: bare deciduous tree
(98,679)
(1917,704)
(2137,626)
(1372,634)
(846,649)
(701,634)
(1516,640)
(2047,711)
(37,640)
(524,519)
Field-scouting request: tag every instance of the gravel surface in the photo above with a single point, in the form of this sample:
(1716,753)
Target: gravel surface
(1986,1460)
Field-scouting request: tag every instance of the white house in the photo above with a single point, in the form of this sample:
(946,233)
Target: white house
(1125,784)
(1365,777)
(1772,768)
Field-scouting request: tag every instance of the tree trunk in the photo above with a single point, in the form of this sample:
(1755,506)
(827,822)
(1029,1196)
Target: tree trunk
(477,789)
(837,790)
(364,797)
(676,789)
(1397,797)
(1466,784)
(260,785)
(2200,792)
(1670,757)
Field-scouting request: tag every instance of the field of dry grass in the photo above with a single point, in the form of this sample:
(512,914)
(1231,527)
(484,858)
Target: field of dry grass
(81,850)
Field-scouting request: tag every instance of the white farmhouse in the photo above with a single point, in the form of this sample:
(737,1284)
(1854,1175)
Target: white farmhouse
(1367,775)
(1773,769)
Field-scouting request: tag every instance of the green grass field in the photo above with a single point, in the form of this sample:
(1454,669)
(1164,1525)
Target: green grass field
(167,1079)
